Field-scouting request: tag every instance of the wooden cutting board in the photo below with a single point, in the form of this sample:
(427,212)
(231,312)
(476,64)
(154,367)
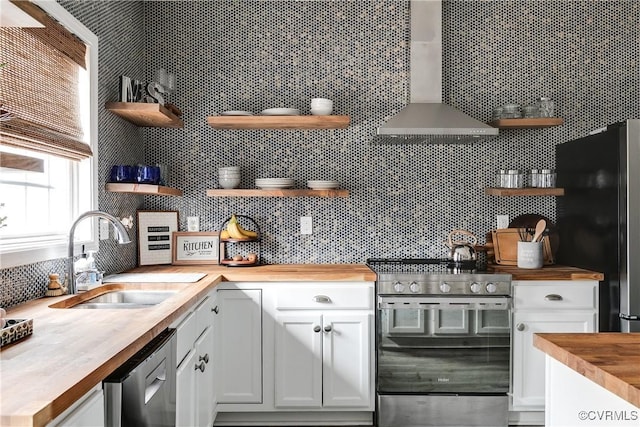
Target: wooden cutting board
(505,246)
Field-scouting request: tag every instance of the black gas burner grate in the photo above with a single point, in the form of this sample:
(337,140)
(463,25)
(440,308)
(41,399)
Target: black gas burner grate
(420,265)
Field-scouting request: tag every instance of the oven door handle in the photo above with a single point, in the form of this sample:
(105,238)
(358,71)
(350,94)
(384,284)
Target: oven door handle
(444,303)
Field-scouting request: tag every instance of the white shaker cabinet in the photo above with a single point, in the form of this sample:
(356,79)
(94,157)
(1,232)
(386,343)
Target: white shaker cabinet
(323,347)
(238,342)
(540,307)
(195,398)
(88,411)
(322,360)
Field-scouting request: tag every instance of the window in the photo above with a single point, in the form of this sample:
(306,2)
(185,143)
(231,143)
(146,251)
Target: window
(41,205)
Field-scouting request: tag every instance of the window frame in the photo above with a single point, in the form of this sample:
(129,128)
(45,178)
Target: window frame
(42,250)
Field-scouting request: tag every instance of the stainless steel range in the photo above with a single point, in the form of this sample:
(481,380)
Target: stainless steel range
(443,344)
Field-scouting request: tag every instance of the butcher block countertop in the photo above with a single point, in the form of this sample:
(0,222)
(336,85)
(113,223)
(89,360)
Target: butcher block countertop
(611,360)
(72,350)
(549,272)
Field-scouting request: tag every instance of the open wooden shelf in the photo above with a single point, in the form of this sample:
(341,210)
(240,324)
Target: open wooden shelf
(284,192)
(493,191)
(157,190)
(145,114)
(279,122)
(530,123)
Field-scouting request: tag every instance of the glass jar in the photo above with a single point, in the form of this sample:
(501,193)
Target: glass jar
(515,179)
(501,178)
(534,178)
(511,111)
(530,111)
(546,107)
(547,178)
(497,113)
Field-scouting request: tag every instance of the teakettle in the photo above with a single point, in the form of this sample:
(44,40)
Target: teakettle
(460,250)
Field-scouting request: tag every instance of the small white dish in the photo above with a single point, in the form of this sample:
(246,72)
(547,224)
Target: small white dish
(322,185)
(274,186)
(281,112)
(236,113)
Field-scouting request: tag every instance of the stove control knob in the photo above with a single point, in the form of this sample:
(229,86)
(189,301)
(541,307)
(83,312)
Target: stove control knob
(475,287)
(398,287)
(492,288)
(414,287)
(445,287)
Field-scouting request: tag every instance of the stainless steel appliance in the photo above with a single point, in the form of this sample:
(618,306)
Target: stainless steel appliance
(442,344)
(599,217)
(142,392)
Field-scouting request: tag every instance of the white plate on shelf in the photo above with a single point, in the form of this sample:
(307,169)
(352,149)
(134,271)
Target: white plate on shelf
(274,187)
(322,185)
(236,113)
(281,112)
(275,180)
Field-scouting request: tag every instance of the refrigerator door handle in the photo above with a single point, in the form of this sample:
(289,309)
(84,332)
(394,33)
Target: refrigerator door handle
(629,316)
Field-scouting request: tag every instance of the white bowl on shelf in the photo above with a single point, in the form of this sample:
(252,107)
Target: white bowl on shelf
(320,111)
(229,183)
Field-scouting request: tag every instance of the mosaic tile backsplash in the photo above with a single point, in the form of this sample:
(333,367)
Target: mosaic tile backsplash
(404,200)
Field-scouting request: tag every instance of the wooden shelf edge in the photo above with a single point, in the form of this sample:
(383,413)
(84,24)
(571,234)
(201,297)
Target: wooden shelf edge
(149,189)
(145,114)
(279,122)
(528,123)
(277,193)
(493,191)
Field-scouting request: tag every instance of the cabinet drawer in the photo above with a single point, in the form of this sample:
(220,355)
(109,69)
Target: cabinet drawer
(186,336)
(204,315)
(550,296)
(325,298)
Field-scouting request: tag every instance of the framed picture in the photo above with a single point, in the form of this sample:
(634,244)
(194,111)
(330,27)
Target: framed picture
(154,236)
(195,247)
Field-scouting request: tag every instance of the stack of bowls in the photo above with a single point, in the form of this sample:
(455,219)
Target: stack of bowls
(321,106)
(229,177)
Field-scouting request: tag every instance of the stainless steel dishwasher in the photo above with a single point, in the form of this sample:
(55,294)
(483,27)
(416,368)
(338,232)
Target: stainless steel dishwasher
(142,392)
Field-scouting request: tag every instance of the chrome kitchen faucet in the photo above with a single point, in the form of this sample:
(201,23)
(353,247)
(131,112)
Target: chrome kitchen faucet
(123,238)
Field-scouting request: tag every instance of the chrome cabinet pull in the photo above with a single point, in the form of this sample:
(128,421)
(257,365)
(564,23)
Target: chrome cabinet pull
(200,366)
(215,309)
(553,297)
(520,327)
(327,328)
(321,298)
(205,358)
(317,328)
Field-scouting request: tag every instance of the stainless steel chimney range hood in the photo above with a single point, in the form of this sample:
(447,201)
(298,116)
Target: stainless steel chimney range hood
(426,120)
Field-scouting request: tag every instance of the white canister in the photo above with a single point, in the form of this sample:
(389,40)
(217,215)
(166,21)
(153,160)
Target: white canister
(530,255)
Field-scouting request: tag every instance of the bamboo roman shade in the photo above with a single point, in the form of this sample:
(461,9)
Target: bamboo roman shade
(39,87)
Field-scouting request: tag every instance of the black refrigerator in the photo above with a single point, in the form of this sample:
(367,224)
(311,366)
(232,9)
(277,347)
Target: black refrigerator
(598,218)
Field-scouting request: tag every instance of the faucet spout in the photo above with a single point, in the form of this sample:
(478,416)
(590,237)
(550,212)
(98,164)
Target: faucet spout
(123,238)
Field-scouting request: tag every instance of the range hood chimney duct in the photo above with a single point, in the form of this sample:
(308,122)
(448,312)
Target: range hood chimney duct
(426,119)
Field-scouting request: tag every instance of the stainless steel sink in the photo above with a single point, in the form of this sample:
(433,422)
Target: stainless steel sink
(126,299)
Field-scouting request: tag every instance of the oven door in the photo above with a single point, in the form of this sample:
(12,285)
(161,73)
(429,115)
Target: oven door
(443,345)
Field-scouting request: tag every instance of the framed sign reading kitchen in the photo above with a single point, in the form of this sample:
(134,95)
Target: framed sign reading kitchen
(154,236)
(195,247)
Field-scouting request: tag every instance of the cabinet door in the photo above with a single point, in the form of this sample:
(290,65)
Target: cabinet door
(205,405)
(186,392)
(528,361)
(87,412)
(298,360)
(238,370)
(346,351)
